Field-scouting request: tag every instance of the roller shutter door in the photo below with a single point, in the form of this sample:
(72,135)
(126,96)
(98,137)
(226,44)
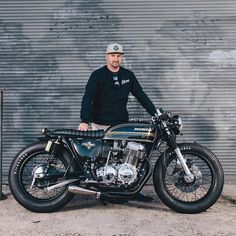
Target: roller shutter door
(182,52)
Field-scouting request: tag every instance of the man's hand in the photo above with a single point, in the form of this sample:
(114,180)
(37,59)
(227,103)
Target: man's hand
(83,127)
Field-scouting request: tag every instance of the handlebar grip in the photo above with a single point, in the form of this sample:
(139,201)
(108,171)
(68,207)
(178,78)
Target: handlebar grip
(161,114)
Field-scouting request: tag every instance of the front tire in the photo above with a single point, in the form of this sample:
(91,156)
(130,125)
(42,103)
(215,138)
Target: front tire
(178,194)
(30,194)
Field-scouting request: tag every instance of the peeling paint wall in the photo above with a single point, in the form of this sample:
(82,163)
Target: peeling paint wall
(183,53)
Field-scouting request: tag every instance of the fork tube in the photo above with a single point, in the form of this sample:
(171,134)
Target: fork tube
(182,161)
(170,140)
(174,145)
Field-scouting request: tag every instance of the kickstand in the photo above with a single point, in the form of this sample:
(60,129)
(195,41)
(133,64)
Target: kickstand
(104,202)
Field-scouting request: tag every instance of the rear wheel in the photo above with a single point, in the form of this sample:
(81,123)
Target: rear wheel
(178,193)
(32,171)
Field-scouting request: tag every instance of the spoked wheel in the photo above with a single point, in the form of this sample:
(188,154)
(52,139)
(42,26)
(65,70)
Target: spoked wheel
(182,195)
(39,172)
(179,188)
(31,175)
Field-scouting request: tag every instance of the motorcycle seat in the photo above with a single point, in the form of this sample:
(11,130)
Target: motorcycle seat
(78,134)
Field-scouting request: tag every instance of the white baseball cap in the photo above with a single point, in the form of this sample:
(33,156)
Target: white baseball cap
(115,48)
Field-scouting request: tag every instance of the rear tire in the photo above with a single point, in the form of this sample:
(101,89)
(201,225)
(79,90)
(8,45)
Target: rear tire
(175,192)
(21,176)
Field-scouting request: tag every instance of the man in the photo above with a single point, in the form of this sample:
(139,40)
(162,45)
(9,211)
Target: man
(106,95)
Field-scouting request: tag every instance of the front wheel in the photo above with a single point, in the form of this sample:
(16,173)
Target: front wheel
(178,194)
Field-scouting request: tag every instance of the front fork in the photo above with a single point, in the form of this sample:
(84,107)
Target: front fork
(189,177)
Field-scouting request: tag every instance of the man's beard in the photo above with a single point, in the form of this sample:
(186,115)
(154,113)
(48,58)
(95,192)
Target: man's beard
(115,64)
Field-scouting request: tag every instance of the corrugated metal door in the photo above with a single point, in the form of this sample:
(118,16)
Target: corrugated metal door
(183,53)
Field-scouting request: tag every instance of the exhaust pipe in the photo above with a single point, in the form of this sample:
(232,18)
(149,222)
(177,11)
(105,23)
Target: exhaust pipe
(59,185)
(83,191)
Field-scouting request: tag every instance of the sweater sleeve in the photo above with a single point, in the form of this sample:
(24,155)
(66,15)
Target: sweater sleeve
(88,99)
(141,96)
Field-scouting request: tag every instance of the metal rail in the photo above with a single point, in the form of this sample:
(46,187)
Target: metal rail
(2,196)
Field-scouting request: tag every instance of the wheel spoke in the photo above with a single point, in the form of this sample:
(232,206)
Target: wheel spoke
(182,190)
(41,162)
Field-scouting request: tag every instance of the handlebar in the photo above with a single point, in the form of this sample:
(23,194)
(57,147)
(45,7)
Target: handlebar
(161,114)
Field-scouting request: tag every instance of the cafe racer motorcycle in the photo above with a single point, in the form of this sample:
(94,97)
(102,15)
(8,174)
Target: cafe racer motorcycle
(187,177)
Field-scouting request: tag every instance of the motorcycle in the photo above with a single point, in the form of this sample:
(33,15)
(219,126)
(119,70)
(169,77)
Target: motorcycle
(115,164)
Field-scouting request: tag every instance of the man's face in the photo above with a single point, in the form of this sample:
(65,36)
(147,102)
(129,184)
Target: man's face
(114,59)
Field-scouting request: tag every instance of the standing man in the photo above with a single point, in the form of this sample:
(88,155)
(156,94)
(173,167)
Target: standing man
(106,95)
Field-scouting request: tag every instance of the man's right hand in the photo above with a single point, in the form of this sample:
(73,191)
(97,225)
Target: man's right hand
(83,127)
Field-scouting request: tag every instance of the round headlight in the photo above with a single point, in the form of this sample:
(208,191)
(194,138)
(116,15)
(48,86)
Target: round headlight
(177,124)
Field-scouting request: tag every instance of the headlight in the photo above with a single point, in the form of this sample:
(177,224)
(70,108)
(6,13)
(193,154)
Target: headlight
(176,124)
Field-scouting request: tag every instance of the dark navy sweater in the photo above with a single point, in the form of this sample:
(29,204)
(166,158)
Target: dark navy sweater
(106,97)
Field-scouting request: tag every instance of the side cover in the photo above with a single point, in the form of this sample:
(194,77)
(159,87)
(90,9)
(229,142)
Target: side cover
(87,148)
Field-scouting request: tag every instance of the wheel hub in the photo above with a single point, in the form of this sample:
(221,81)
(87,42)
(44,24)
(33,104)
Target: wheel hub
(185,185)
(39,171)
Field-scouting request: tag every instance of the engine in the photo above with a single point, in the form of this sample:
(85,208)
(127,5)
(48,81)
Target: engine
(122,170)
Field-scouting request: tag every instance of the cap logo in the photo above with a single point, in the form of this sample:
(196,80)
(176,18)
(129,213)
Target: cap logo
(116,48)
